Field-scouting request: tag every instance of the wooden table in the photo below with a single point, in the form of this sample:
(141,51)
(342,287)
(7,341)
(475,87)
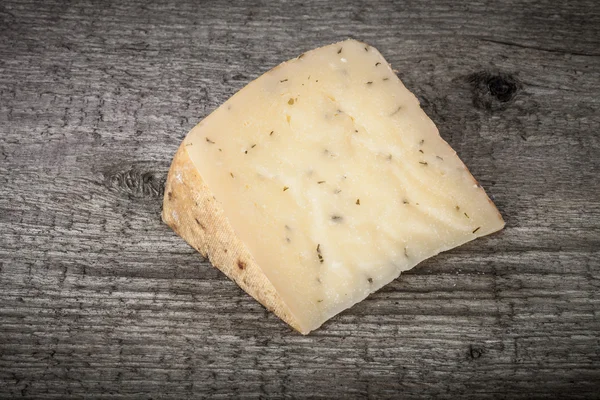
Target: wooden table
(98,298)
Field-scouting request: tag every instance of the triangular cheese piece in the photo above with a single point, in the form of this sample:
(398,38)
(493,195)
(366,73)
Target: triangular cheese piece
(319,182)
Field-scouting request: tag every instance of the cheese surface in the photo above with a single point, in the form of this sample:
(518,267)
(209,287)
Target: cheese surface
(335,179)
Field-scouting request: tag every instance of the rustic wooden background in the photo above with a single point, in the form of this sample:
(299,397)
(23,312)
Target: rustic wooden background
(99,299)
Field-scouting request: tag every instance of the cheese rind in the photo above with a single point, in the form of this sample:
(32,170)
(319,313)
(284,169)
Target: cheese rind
(333,179)
(191,210)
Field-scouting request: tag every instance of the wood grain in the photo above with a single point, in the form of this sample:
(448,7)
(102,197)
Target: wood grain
(99,299)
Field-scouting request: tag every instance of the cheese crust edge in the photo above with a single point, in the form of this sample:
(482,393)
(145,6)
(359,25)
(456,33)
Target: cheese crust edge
(191,210)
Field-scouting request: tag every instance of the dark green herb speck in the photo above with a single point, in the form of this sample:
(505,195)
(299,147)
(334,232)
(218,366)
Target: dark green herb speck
(210,141)
(340,50)
(467,215)
(285,188)
(476,229)
(423,162)
(320,182)
(358,202)
(283,80)
(337,218)
(377,64)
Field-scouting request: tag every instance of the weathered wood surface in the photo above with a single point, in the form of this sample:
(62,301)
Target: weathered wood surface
(99,298)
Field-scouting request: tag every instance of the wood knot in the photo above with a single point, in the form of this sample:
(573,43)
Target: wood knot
(493,91)
(475,352)
(239,77)
(135,180)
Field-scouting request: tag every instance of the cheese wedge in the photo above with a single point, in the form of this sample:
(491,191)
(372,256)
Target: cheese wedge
(320,182)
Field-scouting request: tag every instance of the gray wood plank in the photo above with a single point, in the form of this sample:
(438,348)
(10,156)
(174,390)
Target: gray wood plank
(99,299)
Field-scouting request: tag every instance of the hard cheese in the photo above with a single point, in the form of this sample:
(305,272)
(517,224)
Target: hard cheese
(320,182)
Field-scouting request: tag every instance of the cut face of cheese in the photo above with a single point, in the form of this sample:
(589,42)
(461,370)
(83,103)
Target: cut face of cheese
(330,179)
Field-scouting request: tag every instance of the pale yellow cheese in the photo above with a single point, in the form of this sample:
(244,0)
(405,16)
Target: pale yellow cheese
(335,180)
